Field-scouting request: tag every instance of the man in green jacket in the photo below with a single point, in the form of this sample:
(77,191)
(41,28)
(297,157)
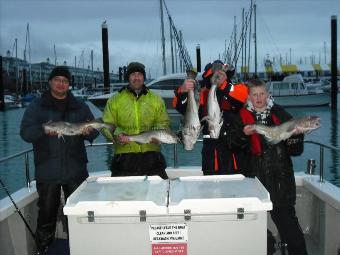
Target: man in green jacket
(135,109)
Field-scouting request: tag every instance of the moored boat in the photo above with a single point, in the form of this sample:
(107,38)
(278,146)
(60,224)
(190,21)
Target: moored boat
(292,91)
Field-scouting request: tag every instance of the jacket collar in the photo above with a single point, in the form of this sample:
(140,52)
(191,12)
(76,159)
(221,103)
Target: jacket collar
(72,102)
(144,90)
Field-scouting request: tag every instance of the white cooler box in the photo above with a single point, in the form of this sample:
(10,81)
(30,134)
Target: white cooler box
(150,216)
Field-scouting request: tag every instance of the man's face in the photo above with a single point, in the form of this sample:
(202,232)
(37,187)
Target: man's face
(136,80)
(59,86)
(258,96)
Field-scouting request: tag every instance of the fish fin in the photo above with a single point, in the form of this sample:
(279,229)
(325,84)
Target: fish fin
(61,136)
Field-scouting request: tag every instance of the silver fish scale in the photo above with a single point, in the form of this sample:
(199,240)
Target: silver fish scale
(162,136)
(192,124)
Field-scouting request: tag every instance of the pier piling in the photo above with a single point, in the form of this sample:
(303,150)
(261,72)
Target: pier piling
(198,58)
(334,66)
(106,69)
(2,88)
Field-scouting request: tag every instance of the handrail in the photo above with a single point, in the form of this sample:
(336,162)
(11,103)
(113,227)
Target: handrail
(322,146)
(175,162)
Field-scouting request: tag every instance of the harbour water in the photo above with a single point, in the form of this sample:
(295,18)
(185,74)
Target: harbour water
(12,172)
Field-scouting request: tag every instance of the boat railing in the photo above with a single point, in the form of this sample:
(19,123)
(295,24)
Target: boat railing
(25,153)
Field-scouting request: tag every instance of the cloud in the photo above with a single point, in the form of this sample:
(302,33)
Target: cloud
(74,27)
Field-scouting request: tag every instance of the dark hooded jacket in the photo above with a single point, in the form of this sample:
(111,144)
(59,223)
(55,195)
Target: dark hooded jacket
(57,160)
(273,166)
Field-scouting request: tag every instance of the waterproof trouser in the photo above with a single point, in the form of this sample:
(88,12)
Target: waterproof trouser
(139,164)
(48,204)
(217,159)
(289,229)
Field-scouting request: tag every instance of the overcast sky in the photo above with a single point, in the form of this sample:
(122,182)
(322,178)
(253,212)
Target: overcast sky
(74,27)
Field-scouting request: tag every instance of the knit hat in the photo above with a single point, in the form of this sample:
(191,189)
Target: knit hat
(135,67)
(60,71)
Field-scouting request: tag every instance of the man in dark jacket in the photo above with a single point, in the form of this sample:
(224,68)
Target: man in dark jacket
(271,163)
(216,158)
(58,162)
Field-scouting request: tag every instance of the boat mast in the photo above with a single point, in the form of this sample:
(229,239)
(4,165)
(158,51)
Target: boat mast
(172,48)
(28,44)
(235,43)
(163,37)
(249,39)
(255,41)
(55,55)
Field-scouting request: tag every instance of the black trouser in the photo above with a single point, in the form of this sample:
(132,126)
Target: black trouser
(289,229)
(137,164)
(48,203)
(217,159)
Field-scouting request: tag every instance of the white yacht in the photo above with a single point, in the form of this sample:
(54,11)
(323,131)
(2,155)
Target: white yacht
(292,91)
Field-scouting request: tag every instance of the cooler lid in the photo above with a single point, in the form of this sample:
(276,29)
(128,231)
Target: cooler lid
(118,195)
(218,193)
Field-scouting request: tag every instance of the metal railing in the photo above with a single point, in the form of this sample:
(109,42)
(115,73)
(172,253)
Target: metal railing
(175,160)
(321,154)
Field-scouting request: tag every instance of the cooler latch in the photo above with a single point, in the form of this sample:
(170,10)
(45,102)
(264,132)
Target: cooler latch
(240,213)
(142,215)
(90,216)
(187,214)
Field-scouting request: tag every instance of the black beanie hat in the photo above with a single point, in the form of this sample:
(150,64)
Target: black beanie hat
(60,71)
(135,67)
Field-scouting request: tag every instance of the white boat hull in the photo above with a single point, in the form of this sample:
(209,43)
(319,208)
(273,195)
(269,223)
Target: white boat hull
(321,99)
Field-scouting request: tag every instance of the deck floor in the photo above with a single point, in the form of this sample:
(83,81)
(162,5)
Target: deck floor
(61,247)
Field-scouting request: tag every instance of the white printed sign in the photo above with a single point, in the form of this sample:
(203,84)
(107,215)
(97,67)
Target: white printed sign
(168,233)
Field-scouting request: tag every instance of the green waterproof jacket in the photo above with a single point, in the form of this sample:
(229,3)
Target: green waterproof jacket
(133,114)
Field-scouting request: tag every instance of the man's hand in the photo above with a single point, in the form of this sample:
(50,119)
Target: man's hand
(249,130)
(50,133)
(218,78)
(188,84)
(123,139)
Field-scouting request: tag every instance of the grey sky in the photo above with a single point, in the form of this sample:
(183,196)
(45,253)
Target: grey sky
(134,28)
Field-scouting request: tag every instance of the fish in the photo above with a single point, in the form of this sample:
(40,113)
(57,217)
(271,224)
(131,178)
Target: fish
(192,125)
(160,136)
(214,116)
(276,134)
(63,128)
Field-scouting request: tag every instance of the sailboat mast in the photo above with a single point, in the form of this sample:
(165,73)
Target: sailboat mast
(163,37)
(171,47)
(55,55)
(255,40)
(235,42)
(250,33)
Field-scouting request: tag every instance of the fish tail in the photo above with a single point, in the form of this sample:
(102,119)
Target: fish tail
(110,127)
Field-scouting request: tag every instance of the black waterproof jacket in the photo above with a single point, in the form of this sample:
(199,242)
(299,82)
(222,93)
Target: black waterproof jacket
(216,158)
(57,160)
(274,166)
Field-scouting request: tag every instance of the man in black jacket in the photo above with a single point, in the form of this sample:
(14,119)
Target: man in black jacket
(58,162)
(271,163)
